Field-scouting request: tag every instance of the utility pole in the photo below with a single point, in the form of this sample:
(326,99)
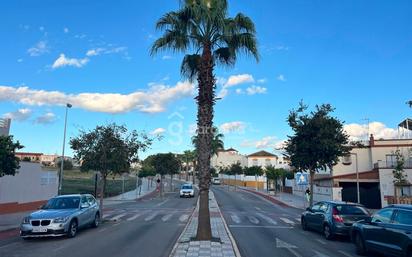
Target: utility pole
(62,158)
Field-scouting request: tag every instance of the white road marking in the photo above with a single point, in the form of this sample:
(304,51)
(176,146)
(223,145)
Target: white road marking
(161,203)
(257,208)
(183,218)
(134,217)
(267,218)
(257,226)
(167,217)
(290,247)
(151,216)
(235,218)
(321,241)
(116,224)
(116,218)
(298,220)
(318,254)
(253,220)
(345,253)
(101,230)
(4,246)
(288,221)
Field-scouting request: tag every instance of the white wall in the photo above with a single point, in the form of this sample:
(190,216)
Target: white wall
(30,184)
(226,159)
(386,183)
(261,161)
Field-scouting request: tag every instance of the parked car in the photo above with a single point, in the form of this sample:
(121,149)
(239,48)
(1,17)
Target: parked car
(216,181)
(187,190)
(388,231)
(333,217)
(62,215)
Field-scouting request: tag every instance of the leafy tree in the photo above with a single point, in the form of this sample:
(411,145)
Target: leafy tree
(9,163)
(166,163)
(108,149)
(213,172)
(318,140)
(398,171)
(147,171)
(277,174)
(409,103)
(67,164)
(253,171)
(235,169)
(203,26)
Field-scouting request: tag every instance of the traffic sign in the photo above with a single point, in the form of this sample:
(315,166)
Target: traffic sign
(301,178)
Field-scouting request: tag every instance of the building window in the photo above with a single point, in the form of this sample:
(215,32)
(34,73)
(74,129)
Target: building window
(255,162)
(390,160)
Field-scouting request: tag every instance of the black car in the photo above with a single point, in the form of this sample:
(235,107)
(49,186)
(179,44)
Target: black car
(333,217)
(388,231)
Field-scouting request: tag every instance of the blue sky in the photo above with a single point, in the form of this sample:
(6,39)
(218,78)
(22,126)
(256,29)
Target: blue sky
(355,55)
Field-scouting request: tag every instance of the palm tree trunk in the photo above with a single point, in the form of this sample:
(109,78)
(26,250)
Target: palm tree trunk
(205,101)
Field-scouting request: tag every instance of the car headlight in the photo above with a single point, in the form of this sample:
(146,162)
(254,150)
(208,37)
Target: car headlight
(60,220)
(26,220)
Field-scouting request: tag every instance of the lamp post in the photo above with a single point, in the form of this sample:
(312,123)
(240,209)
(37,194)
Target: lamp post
(357,177)
(64,142)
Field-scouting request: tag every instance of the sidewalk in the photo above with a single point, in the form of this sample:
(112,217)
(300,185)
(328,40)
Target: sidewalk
(285,199)
(12,220)
(186,247)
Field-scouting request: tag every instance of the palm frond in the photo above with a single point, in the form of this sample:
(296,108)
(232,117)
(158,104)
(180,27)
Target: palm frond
(190,66)
(244,42)
(173,40)
(225,56)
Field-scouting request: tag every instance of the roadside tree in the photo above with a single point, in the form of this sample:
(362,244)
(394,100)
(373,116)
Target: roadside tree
(9,163)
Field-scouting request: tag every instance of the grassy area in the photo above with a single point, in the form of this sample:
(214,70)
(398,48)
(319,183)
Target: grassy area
(75,182)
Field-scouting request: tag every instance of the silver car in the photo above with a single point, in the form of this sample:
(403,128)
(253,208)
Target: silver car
(62,215)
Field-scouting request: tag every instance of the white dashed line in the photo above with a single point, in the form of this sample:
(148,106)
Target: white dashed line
(321,241)
(183,218)
(151,216)
(116,218)
(253,220)
(267,219)
(167,217)
(235,218)
(345,253)
(134,217)
(288,221)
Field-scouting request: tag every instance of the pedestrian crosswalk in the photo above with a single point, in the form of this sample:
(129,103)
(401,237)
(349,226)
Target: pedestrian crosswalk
(260,219)
(180,216)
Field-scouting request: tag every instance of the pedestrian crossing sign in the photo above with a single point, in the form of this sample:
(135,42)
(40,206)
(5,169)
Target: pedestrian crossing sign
(301,178)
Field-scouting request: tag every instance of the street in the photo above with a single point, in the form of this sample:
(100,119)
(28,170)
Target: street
(138,228)
(262,229)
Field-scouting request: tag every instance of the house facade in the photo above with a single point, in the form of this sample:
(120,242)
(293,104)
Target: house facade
(372,165)
(262,159)
(225,158)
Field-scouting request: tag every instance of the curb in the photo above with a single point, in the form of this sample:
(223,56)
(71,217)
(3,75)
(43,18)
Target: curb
(183,231)
(271,199)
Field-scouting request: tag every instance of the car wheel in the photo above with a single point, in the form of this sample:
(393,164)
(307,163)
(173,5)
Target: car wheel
(304,224)
(327,232)
(96,221)
(72,229)
(360,245)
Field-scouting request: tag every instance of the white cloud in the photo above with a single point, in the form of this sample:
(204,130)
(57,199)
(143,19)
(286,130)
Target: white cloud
(239,79)
(39,49)
(46,118)
(282,47)
(234,126)
(281,77)
(265,142)
(66,30)
(153,100)
(94,52)
(41,28)
(239,91)
(103,50)
(222,93)
(166,57)
(158,131)
(261,81)
(19,115)
(63,61)
(378,129)
(256,90)
(20,60)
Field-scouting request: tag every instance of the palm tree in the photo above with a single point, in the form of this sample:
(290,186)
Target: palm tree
(217,141)
(409,103)
(203,26)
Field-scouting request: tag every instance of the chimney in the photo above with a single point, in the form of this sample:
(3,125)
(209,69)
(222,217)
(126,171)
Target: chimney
(371,140)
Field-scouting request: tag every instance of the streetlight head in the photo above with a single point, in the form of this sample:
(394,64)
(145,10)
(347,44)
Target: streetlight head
(69,105)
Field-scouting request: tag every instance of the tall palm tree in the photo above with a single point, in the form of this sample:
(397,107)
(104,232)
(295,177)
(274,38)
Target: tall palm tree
(203,26)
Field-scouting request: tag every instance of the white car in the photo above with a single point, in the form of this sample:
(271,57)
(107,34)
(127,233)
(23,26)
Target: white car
(216,181)
(187,190)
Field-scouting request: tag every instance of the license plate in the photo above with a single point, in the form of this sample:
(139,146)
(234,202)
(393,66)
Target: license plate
(39,230)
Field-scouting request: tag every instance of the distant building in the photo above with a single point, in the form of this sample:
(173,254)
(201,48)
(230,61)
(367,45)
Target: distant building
(225,158)
(33,157)
(262,159)
(4,126)
(49,159)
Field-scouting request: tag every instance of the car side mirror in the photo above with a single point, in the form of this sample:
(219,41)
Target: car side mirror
(41,207)
(84,206)
(309,209)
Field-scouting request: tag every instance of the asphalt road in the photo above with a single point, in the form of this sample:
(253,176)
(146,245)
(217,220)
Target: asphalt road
(146,228)
(262,228)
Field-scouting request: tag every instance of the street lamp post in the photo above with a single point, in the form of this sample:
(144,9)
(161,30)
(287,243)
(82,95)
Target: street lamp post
(357,177)
(64,142)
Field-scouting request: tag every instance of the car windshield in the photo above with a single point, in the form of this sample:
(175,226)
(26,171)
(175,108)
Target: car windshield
(351,210)
(62,203)
(187,187)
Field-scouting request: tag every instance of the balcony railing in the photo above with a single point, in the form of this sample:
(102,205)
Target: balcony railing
(392,164)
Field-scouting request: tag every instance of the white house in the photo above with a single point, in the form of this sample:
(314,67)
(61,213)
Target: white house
(225,158)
